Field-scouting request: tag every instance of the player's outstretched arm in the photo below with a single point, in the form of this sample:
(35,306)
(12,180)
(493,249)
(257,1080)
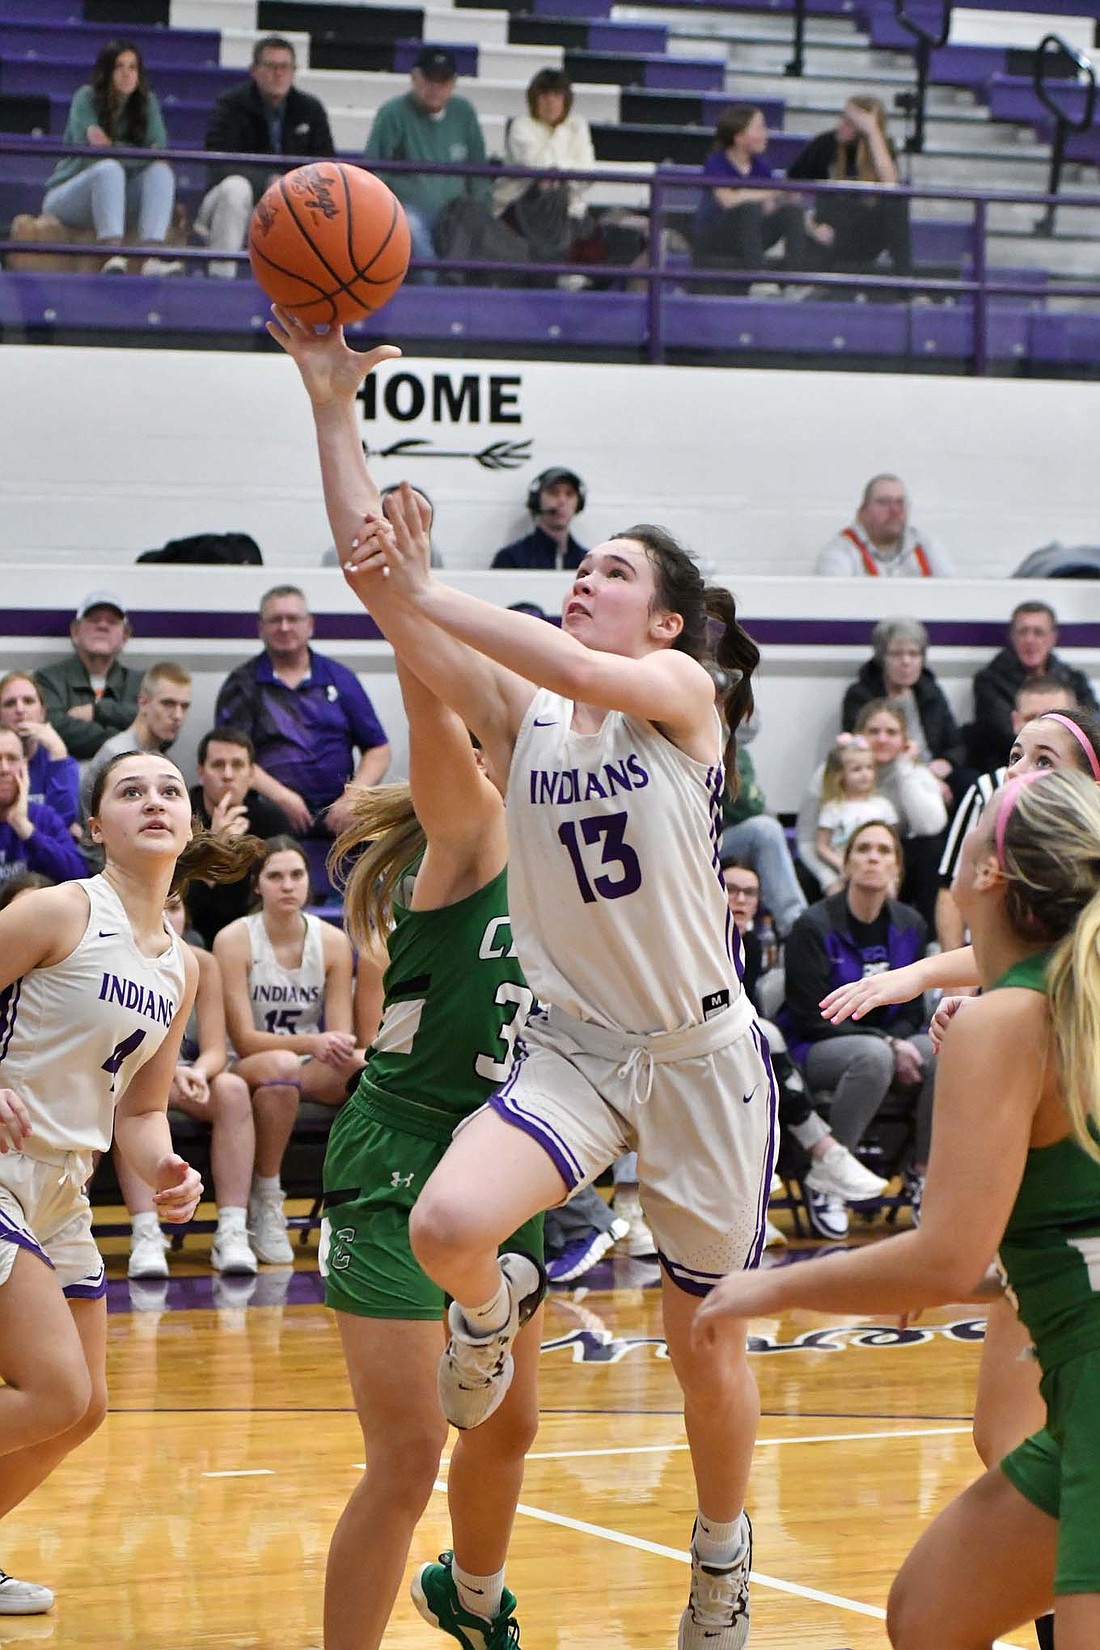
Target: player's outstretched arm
(946,971)
(141,1119)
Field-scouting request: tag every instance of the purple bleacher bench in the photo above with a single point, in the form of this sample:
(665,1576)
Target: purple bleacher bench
(49,40)
(189,83)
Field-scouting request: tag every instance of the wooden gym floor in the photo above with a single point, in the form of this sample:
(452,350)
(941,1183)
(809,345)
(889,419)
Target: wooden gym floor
(199,1515)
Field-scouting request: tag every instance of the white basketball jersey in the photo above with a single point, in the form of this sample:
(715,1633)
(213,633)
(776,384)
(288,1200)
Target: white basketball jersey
(616,898)
(287,1000)
(72,1036)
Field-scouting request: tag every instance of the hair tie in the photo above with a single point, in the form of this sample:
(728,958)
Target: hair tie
(844,740)
(1011,795)
(1079,734)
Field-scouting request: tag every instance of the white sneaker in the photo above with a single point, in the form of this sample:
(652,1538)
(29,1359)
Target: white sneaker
(148,1254)
(837,1173)
(638,1242)
(476,1371)
(267,1228)
(23,1598)
(231,1252)
(114,266)
(162,266)
(717,1614)
(827,1214)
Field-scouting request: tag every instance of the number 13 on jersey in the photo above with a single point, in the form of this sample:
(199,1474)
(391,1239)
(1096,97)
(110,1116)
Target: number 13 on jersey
(608,831)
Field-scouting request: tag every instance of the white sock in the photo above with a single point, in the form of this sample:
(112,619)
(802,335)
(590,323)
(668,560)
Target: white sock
(718,1544)
(493,1314)
(230,1217)
(480,1595)
(262,1183)
(145,1224)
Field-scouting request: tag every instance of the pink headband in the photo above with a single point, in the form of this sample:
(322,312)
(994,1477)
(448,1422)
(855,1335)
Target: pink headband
(1011,795)
(1079,734)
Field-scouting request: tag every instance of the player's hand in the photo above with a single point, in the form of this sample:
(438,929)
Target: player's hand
(942,1018)
(229,819)
(332,1048)
(331,370)
(397,546)
(852,1002)
(739,1296)
(177,1189)
(189,1085)
(15,1121)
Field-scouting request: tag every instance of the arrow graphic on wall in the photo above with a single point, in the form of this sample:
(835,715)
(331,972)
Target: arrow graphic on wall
(501,455)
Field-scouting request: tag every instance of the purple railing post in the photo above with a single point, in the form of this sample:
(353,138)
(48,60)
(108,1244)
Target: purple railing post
(981,296)
(654,307)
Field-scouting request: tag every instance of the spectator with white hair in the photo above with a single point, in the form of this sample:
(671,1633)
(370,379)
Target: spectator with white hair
(898,670)
(881,542)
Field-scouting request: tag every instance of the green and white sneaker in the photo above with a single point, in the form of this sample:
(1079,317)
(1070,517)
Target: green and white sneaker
(436,1597)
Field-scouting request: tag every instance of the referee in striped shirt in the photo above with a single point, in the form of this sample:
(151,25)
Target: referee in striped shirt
(1034,697)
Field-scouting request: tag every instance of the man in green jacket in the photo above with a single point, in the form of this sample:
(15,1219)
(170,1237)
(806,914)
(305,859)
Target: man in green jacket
(92,695)
(430,122)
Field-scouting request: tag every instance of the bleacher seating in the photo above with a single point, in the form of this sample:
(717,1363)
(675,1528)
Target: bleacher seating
(651,77)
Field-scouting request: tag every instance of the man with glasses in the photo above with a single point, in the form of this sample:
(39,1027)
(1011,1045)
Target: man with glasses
(880,543)
(268,115)
(306,716)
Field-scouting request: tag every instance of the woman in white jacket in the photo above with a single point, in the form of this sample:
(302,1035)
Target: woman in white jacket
(915,792)
(550,215)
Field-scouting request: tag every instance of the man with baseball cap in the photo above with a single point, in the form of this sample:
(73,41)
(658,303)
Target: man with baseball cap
(430,122)
(553,498)
(92,695)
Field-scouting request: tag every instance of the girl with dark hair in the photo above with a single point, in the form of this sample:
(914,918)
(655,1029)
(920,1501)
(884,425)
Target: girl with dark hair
(853,227)
(118,108)
(552,137)
(735,226)
(607,735)
(96,990)
(284,972)
(1014,1178)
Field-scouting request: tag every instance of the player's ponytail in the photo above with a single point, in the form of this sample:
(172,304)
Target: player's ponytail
(737,656)
(710,633)
(384,825)
(209,857)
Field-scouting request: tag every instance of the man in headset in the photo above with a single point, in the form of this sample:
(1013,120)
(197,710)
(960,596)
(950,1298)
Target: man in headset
(553,498)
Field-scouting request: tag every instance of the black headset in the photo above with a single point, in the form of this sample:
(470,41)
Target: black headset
(557,473)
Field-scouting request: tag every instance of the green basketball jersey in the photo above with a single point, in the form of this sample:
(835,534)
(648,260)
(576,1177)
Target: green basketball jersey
(454,1003)
(1051,1247)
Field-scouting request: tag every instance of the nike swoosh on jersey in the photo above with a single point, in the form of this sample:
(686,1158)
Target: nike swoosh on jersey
(552,723)
(745,1098)
(109,933)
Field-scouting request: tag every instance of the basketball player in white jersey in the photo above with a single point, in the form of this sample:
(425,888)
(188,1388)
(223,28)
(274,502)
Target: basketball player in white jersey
(609,734)
(284,970)
(95,991)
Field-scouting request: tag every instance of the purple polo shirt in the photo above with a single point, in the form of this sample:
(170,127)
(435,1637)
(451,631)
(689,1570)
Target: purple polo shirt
(720,170)
(305,736)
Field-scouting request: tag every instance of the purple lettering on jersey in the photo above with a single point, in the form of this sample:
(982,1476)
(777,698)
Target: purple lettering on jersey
(286,993)
(565,785)
(129,994)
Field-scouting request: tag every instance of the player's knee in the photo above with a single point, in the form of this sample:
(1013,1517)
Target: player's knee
(64,1396)
(407,1462)
(440,1228)
(94,1415)
(231,1098)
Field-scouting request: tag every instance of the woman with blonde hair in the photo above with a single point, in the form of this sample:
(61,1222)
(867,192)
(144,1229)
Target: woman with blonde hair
(1018,1116)
(550,213)
(854,227)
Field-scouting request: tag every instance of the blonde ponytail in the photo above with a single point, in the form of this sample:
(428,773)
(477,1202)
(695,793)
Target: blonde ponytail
(1074,982)
(384,820)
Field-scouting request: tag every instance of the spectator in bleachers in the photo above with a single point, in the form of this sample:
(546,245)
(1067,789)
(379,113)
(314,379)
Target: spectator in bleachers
(226,801)
(735,226)
(286,973)
(32,836)
(118,107)
(853,228)
(862,930)
(752,834)
(1032,638)
(92,694)
(552,217)
(267,115)
(849,798)
(554,499)
(203,1089)
(430,122)
(164,700)
(53,774)
(897,670)
(880,542)
(306,716)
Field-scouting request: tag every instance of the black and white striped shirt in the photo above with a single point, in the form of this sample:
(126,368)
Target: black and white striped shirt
(966,817)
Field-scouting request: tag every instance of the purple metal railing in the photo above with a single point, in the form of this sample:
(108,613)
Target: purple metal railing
(662,183)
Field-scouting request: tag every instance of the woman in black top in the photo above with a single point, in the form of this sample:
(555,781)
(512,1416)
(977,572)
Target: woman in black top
(854,228)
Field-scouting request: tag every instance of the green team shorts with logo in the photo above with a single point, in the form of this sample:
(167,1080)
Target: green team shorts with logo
(1058,1470)
(374,1173)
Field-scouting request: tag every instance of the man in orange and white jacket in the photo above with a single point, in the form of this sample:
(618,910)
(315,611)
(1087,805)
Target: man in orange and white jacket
(880,543)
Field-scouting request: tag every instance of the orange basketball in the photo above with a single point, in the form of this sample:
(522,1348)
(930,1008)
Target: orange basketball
(329,242)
